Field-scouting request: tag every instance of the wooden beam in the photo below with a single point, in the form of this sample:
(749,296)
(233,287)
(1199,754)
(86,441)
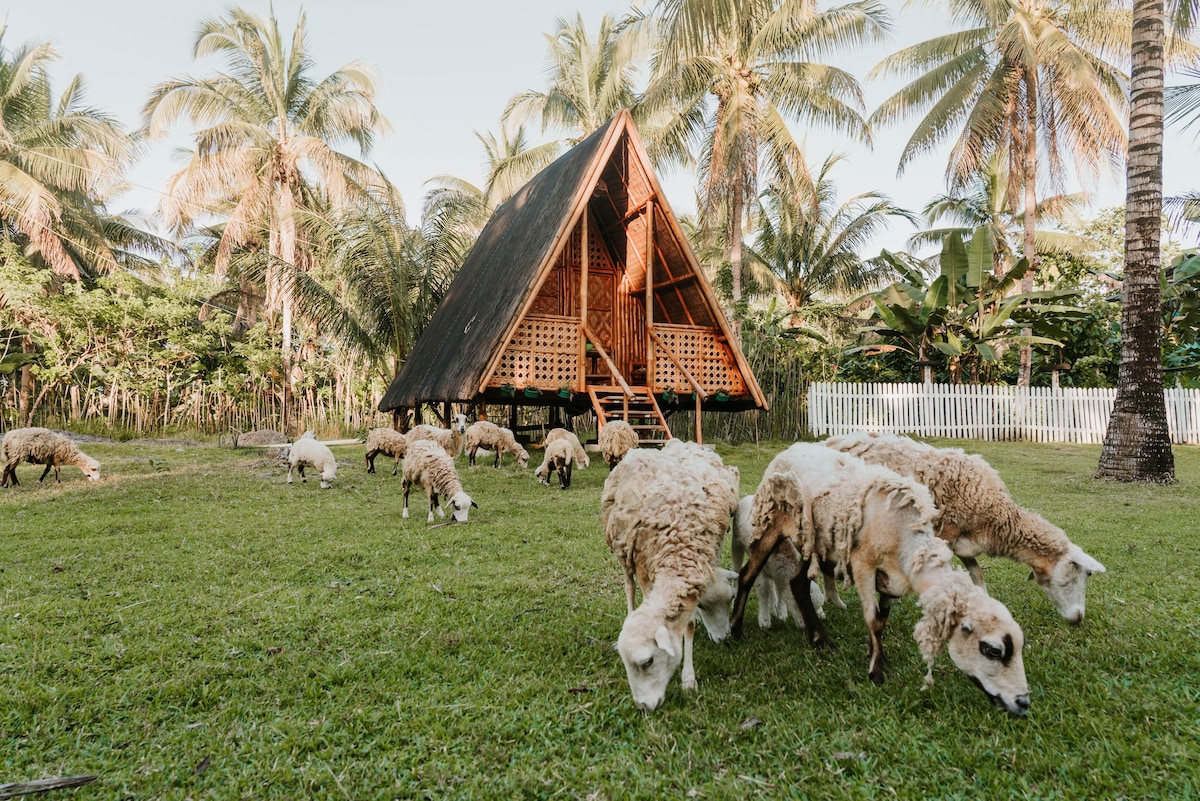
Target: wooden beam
(649,294)
(612,367)
(584,256)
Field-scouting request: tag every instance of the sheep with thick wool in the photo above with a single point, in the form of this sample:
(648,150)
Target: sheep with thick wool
(451,439)
(616,438)
(874,527)
(307,452)
(485,434)
(979,516)
(558,459)
(428,465)
(43,446)
(773,586)
(389,442)
(581,457)
(661,526)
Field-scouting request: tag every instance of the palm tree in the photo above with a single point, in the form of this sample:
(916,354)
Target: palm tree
(1137,445)
(1025,78)
(589,81)
(266,144)
(732,72)
(60,161)
(809,244)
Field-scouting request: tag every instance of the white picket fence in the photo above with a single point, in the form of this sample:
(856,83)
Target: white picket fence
(1037,414)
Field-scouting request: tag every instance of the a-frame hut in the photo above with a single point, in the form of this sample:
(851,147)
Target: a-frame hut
(582,290)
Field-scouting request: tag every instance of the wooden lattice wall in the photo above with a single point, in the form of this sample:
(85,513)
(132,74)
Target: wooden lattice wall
(704,355)
(544,353)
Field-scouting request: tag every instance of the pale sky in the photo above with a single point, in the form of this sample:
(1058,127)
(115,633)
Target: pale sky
(445,70)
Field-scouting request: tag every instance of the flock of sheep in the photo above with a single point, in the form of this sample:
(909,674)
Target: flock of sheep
(883,513)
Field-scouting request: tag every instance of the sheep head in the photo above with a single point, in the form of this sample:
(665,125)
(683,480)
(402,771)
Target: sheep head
(651,648)
(981,636)
(1065,580)
(328,474)
(460,505)
(714,603)
(91,469)
(522,457)
(459,423)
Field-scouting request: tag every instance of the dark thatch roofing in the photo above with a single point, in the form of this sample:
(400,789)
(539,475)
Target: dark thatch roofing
(454,350)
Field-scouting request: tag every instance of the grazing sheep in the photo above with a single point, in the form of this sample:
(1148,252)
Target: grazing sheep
(979,516)
(616,438)
(429,465)
(874,527)
(389,442)
(43,446)
(660,524)
(773,587)
(494,438)
(582,460)
(307,452)
(451,439)
(559,457)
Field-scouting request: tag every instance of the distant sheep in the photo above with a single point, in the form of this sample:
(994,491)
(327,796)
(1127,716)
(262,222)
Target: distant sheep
(307,452)
(874,527)
(389,442)
(451,439)
(43,446)
(581,457)
(616,438)
(484,434)
(428,465)
(659,523)
(979,516)
(558,459)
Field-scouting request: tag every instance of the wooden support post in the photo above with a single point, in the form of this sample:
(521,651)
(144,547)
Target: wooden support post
(446,413)
(417,414)
(650,294)
(583,300)
(512,418)
(699,433)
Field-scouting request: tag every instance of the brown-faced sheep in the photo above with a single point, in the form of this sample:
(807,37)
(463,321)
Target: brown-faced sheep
(428,465)
(484,434)
(558,459)
(659,523)
(581,458)
(451,439)
(616,438)
(870,525)
(389,442)
(307,452)
(979,516)
(43,446)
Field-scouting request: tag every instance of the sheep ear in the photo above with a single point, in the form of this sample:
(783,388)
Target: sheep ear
(727,575)
(1086,562)
(662,638)
(967,628)
(475,504)
(1032,577)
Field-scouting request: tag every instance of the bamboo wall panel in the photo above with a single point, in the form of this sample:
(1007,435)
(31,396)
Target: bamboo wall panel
(704,355)
(543,353)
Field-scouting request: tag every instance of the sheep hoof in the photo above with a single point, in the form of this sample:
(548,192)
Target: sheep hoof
(689,682)
(404,514)
(877,677)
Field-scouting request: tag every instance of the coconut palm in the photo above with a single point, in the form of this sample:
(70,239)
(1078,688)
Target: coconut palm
(732,73)
(589,80)
(59,160)
(808,243)
(1137,444)
(266,144)
(1025,78)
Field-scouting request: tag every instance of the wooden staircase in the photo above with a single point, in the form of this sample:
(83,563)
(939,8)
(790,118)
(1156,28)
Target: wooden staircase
(640,411)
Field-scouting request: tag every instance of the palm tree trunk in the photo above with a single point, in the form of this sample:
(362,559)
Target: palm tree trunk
(1137,445)
(287,254)
(1025,371)
(735,259)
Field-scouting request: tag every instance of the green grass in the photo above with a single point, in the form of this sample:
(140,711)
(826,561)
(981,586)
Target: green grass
(192,627)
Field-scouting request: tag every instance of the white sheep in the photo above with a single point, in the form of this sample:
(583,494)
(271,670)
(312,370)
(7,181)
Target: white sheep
(428,465)
(307,452)
(660,524)
(389,442)
(451,439)
(499,440)
(874,527)
(616,438)
(558,459)
(979,516)
(43,446)
(773,586)
(582,460)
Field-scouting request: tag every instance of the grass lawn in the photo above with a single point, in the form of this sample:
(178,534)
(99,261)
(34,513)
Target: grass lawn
(192,627)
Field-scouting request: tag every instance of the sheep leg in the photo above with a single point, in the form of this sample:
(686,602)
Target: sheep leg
(46,472)
(433,504)
(760,551)
(406,485)
(303,478)
(831,592)
(808,613)
(471,455)
(973,570)
(497,464)
(370,456)
(875,617)
(564,476)
(10,476)
(395,465)
(689,671)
